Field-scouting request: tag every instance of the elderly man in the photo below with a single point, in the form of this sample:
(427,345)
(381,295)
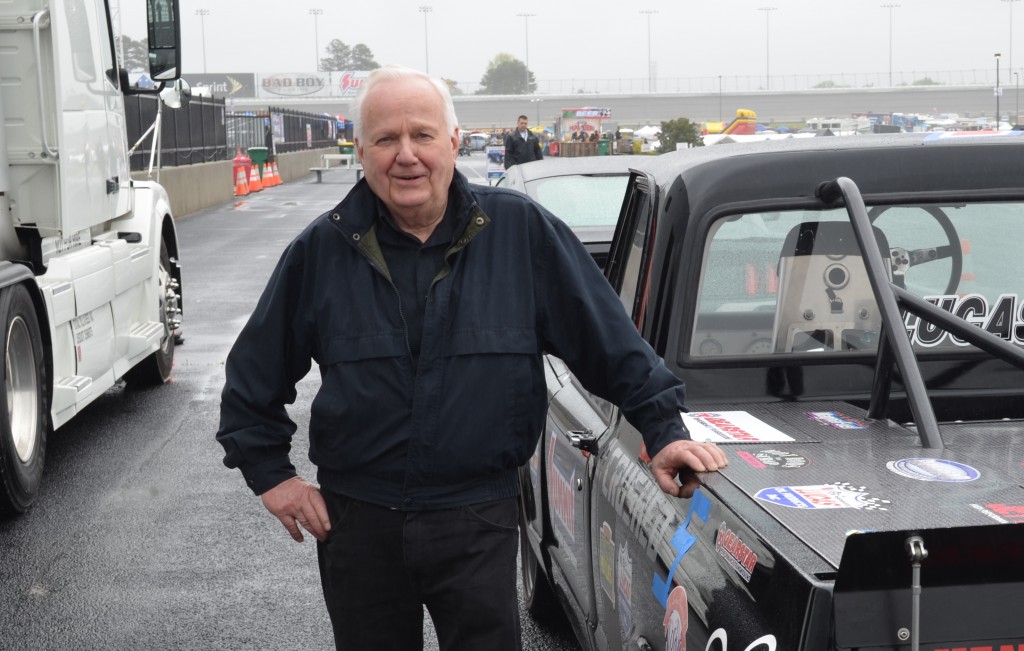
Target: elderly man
(522,145)
(427,303)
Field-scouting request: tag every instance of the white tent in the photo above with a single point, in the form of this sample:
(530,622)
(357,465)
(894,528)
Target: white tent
(648,133)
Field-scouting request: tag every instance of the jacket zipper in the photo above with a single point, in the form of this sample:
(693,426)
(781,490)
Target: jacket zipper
(398,297)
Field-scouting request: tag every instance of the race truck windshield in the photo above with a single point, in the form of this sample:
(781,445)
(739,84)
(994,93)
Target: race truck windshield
(794,281)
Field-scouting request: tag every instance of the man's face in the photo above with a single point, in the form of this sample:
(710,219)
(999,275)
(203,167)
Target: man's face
(408,155)
(522,125)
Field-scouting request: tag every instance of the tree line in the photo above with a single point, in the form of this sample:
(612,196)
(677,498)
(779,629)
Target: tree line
(505,74)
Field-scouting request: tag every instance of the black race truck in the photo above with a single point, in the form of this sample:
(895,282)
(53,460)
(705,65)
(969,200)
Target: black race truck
(847,315)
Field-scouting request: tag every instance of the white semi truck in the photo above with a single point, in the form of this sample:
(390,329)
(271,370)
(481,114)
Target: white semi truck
(90,285)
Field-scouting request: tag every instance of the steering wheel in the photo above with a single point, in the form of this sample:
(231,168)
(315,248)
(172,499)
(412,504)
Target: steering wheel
(901,259)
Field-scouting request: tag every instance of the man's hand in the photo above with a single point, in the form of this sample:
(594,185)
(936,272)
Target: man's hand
(685,459)
(297,502)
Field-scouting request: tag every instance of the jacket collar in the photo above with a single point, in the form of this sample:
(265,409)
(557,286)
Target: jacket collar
(357,212)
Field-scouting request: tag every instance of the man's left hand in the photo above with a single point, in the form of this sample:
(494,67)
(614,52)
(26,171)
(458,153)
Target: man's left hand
(685,459)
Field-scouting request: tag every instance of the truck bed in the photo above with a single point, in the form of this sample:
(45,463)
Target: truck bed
(843,473)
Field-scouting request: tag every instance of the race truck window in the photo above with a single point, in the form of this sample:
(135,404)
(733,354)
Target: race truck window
(794,281)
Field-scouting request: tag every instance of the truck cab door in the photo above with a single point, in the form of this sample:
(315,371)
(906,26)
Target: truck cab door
(91,140)
(627,504)
(576,419)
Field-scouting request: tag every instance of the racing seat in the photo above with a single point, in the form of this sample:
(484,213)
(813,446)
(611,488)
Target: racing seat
(825,302)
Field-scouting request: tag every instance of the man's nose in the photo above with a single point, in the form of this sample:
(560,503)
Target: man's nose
(406,151)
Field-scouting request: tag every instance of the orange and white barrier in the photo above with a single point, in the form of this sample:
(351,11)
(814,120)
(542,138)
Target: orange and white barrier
(241,187)
(255,184)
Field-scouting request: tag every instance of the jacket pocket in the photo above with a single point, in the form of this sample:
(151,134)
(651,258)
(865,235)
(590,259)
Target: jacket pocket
(363,401)
(493,399)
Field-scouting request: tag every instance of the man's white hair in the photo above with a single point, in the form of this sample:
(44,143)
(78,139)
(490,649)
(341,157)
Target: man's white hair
(391,72)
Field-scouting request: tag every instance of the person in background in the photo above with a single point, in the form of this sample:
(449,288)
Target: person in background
(427,303)
(522,145)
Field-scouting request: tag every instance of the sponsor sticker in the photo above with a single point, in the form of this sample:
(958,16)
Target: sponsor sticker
(731,427)
(740,557)
(763,643)
(1002,513)
(563,498)
(751,459)
(763,459)
(624,588)
(837,420)
(607,562)
(841,495)
(1004,318)
(676,620)
(933,470)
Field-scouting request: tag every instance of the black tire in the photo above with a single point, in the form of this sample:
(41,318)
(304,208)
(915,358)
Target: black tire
(23,414)
(538,597)
(155,369)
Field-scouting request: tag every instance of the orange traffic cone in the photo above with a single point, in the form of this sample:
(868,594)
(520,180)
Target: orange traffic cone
(277,175)
(241,188)
(270,179)
(255,185)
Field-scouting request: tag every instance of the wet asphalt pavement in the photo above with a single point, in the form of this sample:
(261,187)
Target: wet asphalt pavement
(140,538)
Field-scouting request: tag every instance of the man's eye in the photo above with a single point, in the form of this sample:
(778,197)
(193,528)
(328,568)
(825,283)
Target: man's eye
(425,136)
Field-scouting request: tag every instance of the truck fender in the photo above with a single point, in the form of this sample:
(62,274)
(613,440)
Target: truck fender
(12,273)
(151,220)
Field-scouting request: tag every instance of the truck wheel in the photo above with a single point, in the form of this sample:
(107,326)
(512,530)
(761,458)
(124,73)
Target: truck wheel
(538,597)
(23,424)
(155,369)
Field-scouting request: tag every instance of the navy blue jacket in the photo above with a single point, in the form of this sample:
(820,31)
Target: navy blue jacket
(453,429)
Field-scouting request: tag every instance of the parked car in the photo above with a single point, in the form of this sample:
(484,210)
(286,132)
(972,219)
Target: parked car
(584,192)
(479,141)
(847,315)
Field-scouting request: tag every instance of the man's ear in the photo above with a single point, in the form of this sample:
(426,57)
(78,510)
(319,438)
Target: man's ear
(455,143)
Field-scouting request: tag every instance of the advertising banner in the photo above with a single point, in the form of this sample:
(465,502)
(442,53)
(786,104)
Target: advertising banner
(345,83)
(337,83)
(277,124)
(495,162)
(293,84)
(584,120)
(227,84)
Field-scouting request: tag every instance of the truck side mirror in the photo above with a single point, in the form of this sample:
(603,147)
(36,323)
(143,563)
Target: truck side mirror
(164,39)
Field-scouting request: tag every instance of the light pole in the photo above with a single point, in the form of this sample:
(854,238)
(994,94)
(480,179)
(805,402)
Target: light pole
(316,13)
(767,50)
(890,7)
(202,13)
(1016,94)
(719,98)
(650,66)
(999,91)
(1009,59)
(526,34)
(426,9)
(537,101)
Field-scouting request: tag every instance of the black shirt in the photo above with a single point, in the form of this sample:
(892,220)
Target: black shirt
(413,266)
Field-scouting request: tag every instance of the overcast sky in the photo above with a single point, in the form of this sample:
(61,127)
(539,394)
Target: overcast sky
(604,39)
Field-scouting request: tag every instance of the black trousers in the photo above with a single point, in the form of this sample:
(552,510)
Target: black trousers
(380,567)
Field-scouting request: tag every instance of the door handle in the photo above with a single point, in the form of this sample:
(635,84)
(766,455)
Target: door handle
(582,439)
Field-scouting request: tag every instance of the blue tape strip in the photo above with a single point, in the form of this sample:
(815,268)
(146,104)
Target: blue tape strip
(682,540)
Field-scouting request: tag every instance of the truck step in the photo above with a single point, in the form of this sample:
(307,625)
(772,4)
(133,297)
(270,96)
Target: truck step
(143,336)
